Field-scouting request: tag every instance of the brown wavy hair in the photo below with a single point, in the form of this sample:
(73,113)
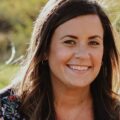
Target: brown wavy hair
(35,88)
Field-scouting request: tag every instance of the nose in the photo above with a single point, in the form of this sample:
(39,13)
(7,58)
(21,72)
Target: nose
(82,52)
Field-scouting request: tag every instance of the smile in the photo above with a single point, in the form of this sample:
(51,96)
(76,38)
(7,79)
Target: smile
(79,67)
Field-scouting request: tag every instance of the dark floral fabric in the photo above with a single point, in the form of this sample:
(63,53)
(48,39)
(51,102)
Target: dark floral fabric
(9,106)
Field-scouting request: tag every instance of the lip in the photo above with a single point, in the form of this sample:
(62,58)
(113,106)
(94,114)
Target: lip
(79,68)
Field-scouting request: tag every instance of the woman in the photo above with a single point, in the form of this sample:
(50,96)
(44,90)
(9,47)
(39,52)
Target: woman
(68,74)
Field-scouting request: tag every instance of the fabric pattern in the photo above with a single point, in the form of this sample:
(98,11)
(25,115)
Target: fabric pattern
(9,106)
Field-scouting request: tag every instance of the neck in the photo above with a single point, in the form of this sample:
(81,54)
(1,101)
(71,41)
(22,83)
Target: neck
(71,97)
(73,101)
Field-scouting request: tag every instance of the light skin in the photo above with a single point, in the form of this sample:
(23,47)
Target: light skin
(75,59)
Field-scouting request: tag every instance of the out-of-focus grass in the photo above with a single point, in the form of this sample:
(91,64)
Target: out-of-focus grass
(7,73)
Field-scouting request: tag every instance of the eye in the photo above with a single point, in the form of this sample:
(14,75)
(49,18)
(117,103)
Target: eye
(94,43)
(70,42)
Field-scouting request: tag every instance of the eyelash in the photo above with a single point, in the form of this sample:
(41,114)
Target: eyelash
(73,42)
(69,42)
(94,43)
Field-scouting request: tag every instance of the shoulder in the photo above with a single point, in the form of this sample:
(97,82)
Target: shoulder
(9,105)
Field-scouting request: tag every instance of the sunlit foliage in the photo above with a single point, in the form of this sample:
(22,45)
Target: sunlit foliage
(16,22)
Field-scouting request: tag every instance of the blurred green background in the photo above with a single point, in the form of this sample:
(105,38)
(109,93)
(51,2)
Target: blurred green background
(16,24)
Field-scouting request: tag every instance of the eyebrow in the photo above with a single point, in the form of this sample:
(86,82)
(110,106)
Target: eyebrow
(75,37)
(71,36)
(95,36)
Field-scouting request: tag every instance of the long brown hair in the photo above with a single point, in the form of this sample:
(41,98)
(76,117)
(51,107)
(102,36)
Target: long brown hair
(35,89)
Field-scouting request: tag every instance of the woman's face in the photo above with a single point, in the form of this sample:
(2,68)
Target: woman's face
(76,52)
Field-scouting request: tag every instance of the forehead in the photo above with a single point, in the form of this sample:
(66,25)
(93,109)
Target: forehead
(89,24)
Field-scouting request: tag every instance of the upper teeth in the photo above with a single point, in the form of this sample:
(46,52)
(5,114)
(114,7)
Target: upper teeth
(79,67)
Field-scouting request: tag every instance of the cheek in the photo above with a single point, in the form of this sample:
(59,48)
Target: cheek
(59,54)
(61,57)
(98,58)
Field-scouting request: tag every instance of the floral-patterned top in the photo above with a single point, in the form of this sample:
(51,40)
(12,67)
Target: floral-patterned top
(9,106)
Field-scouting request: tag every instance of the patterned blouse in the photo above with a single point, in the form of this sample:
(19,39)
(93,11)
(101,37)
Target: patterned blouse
(9,106)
